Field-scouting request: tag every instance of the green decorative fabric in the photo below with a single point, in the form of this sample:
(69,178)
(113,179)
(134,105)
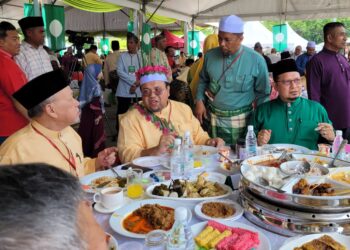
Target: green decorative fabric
(229,124)
(28,9)
(160,19)
(93,5)
(53,16)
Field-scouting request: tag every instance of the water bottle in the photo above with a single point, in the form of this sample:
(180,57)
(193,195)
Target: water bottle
(176,161)
(336,143)
(188,154)
(180,237)
(251,143)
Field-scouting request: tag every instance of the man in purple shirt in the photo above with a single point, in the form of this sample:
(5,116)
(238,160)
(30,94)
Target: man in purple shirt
(328,77)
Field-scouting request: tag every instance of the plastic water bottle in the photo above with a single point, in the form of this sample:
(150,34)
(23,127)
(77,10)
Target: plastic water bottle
(180,237)
(176,161)
(336,143)
(188,154)
(251,143)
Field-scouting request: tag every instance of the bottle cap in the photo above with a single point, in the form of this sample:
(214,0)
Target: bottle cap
(250,127)
(181,213)
(339,132)
(187,133)
(177,141)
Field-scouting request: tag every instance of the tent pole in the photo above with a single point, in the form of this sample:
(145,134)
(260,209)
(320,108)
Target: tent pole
(192,52)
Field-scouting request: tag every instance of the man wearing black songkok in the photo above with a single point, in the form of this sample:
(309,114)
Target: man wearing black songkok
(49,138)
(290,118)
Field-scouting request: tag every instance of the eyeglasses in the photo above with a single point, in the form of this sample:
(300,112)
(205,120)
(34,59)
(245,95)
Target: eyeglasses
(297,81)
(148,92)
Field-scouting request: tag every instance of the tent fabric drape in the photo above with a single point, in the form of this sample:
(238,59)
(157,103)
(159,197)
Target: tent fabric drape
(160,19)
(93,5)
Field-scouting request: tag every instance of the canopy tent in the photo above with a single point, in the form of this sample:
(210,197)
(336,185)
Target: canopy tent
(171,40)
(294,39)
(204,11)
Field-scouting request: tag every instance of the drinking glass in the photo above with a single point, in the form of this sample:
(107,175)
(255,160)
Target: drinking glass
(134,183)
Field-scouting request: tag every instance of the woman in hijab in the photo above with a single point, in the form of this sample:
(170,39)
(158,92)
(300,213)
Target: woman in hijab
(91,129)
(211,41)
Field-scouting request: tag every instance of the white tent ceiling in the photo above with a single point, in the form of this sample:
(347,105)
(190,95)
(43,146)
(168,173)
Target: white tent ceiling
(211,10)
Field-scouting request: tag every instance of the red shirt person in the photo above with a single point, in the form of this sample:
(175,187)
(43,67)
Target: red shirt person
(12,78)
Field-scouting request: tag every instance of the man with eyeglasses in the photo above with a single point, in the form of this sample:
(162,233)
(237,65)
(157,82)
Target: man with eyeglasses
(291,118)
(151,126)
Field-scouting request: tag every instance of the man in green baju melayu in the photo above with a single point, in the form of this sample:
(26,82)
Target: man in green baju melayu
(233,77)
(291,118)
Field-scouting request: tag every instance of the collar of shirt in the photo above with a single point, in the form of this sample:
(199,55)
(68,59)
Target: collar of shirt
(231,56)
(28,45)
(5,53)
(291,105)
(47,132)
(329,51)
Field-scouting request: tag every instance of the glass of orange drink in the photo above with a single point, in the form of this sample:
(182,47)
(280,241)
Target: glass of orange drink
(134,183)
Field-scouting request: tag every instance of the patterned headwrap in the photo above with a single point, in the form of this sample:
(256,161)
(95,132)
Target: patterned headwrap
(152,73)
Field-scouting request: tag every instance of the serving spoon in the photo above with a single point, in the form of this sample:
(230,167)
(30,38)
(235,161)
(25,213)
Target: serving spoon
(266,183)
(342,145)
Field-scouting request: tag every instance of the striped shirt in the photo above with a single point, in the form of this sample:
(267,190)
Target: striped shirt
(33,61)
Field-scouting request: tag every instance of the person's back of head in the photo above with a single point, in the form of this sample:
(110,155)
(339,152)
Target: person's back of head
(115,45)
(200,55)
(160,41)
(93,48)
(39,205)
(189,62)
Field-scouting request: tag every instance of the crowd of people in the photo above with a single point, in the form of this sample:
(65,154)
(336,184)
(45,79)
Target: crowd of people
(230,85)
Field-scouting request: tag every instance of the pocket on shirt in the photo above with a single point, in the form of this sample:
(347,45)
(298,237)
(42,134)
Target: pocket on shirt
(242,83)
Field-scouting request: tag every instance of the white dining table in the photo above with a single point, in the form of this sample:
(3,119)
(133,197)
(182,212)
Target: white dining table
(276,240)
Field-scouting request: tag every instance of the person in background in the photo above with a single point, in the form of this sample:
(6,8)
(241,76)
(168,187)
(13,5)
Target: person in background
(91,127)
(110,67)
(327,75)
(259,49)
(12,115)
(33,59)
(53,59)
(49,138)
(304,58)
(273,56)
(199,55)
(158,56)
(43,207)
(128,91)
(182,59)
(233,77)
(150,127)
(91,57)
(290,118)
(68,62)
(297,52)
(170,53)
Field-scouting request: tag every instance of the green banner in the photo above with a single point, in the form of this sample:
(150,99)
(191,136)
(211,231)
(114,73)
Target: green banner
(280,37)
(131,26)
(104,45)
(193,43)
(28,9)
(146,44)
(53,16)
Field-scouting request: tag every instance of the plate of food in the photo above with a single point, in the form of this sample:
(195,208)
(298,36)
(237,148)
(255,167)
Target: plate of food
(165,175)
(93,182)
(204,151)
(340,176)
(228,235)
(112,243)
(151,161)
(318,241)
(219,210)
(290,148)
(189,190)
(140,217)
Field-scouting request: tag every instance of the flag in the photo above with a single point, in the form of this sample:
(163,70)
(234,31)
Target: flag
(53,16)
(104,45)
(280,37)
(131,26)
(28,9)
(193,43)
(146,44)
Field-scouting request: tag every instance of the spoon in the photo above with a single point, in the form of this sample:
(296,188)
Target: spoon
(266,183)
(300,168)
(227,158)
(342,145)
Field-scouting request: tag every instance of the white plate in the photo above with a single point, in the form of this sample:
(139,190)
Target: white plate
(112,243)
(298,242)
(338,170)
(264,242)
(101,209)
(238,211)
(150,189)
(292,148)
(204,151)
(151,161)
(86,180)
(116,220)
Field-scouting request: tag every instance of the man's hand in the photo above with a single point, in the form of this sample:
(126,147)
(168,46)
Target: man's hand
(200,111)
(326,131)
(165,142)
(264,136)
(215,142)
(132,89)
(106,157)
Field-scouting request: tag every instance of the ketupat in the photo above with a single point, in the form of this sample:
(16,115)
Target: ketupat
(217,239)
(203,235)
(203,242)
